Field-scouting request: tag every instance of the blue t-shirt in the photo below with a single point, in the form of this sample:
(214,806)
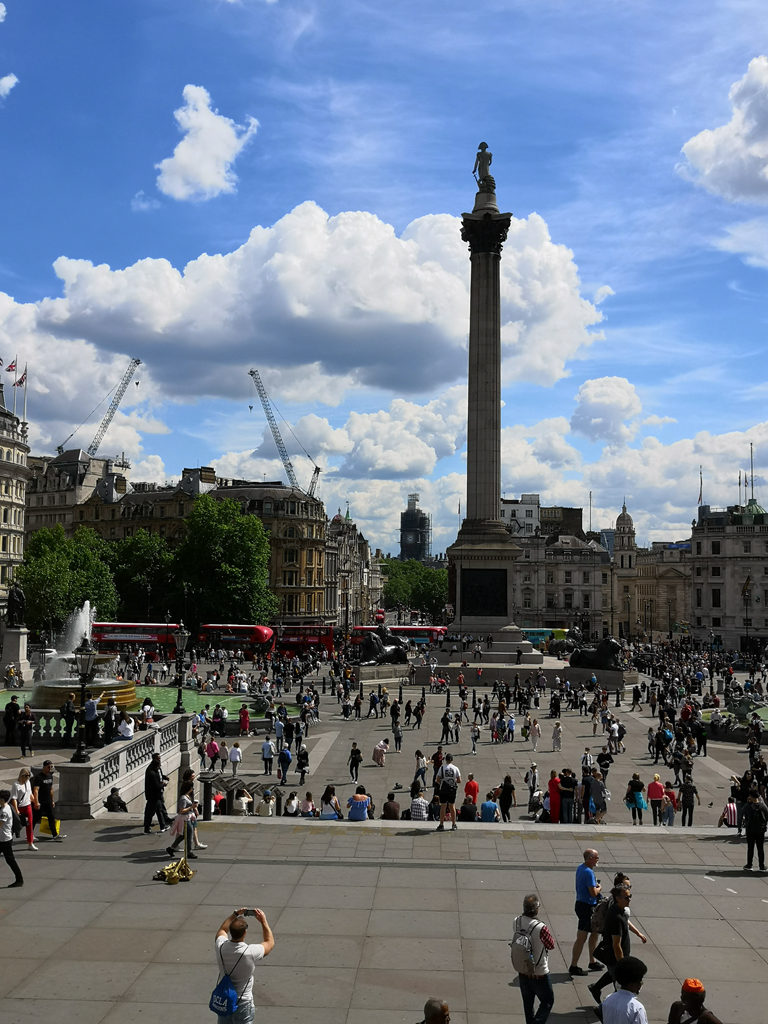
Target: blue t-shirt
(488,811)
(585,877)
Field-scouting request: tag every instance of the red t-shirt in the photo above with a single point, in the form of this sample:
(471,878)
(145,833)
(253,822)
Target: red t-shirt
(471,788)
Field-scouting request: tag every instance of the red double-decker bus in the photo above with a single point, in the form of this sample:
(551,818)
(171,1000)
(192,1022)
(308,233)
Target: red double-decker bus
(300,640)
(229,636)
(153,637)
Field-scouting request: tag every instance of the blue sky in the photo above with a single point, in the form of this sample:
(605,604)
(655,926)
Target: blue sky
(212,185)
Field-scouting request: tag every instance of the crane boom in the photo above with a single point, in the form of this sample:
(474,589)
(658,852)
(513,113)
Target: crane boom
(275,429)
(117,398)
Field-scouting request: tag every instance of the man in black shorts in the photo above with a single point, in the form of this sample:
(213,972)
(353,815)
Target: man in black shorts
(448,779)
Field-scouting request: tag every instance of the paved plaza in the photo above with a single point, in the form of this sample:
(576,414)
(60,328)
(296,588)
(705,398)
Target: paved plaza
(371,919)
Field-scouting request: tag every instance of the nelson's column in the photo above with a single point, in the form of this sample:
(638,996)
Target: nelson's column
(480,577)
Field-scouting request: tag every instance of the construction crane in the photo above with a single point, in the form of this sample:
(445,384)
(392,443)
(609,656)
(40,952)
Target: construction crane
(290,472)
(117,398)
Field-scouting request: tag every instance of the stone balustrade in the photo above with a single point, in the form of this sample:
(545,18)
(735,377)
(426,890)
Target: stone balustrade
(83,788)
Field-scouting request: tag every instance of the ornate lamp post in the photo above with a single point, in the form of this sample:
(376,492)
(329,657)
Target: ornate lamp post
(181,636)
(85,659)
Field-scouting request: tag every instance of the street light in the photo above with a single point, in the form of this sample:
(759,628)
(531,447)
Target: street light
(85,660)
(181,637)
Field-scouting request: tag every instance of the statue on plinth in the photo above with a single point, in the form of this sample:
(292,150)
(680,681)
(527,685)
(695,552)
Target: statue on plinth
(17,604)
(482,169)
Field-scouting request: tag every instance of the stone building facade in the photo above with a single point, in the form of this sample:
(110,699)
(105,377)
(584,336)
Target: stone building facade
(560,582)
(729,581)
(14,479)
(75,490)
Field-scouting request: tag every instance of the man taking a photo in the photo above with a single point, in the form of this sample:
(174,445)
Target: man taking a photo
(238,959)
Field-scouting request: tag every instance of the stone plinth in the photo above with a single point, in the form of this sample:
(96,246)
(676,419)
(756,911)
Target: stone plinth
(15,651)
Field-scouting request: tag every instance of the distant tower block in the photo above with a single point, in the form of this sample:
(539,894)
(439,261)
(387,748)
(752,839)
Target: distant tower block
(415,532)
(480,579)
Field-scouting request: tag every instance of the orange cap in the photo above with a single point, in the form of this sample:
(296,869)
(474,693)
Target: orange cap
(692,985)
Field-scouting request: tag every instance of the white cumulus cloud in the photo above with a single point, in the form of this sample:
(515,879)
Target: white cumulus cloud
(2,12)
(339,301)
(605,407)
(732,159)
(7,82)
(201,165)
(141,202)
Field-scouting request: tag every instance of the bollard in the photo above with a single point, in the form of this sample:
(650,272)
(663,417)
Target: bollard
(447,699)
(379,691)
(323,684)
(207,798)
(423,693)
(278,794)
(400,694)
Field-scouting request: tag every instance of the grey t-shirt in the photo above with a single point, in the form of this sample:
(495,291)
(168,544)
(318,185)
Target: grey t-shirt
(242,974)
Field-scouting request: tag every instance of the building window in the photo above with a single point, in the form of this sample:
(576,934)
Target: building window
(527,576)
(289,578)
(550,576)
(291,556)
(568,575)
(715,570)
(698,597)
(698,547)
(527,603)
(587,577)
(698,570)
(716,597)
(527,554)
(747,547)
(585,602)
(529,513)
(551,602)
(716,622)
(568,600)
(715,547)
(604,578)
(698,620)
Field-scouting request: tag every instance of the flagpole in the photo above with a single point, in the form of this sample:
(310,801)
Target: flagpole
(24,417)
(15,377)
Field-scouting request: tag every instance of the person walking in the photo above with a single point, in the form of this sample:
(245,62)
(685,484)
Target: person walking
(268,754)
(448,777)
(6,838)
(354,760)
(238,959)
(533,969)
(755,820)
(21,802)
(154,784)
(614,943)
(688,792)
(421,768)
(235,757)
(535,734)
(587,894)
(43,800)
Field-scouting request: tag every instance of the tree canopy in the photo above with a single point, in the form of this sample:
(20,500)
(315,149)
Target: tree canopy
(411,584)
(219,572)
(60,573)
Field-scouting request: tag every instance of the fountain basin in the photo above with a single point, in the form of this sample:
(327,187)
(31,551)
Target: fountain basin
(52,693)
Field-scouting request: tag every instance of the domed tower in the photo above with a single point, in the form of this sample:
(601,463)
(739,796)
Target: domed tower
(625,549)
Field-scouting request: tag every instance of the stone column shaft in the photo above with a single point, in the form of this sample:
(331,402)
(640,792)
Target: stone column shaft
(484,389)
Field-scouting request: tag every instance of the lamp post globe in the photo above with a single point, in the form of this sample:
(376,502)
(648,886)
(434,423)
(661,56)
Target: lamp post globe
(85,659)
(181,637)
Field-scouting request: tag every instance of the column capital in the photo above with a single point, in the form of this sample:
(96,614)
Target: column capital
(485,232)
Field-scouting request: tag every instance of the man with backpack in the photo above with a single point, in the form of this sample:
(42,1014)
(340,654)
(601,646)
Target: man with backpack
(237,961)
(530,947)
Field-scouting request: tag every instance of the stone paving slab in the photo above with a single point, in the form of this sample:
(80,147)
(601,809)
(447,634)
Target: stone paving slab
(372,919)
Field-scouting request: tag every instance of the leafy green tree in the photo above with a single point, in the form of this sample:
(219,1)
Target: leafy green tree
(412,585)
(59,574)
(142,566)
(223,564)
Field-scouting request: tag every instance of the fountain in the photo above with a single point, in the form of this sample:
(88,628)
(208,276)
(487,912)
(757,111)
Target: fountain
(53,692)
